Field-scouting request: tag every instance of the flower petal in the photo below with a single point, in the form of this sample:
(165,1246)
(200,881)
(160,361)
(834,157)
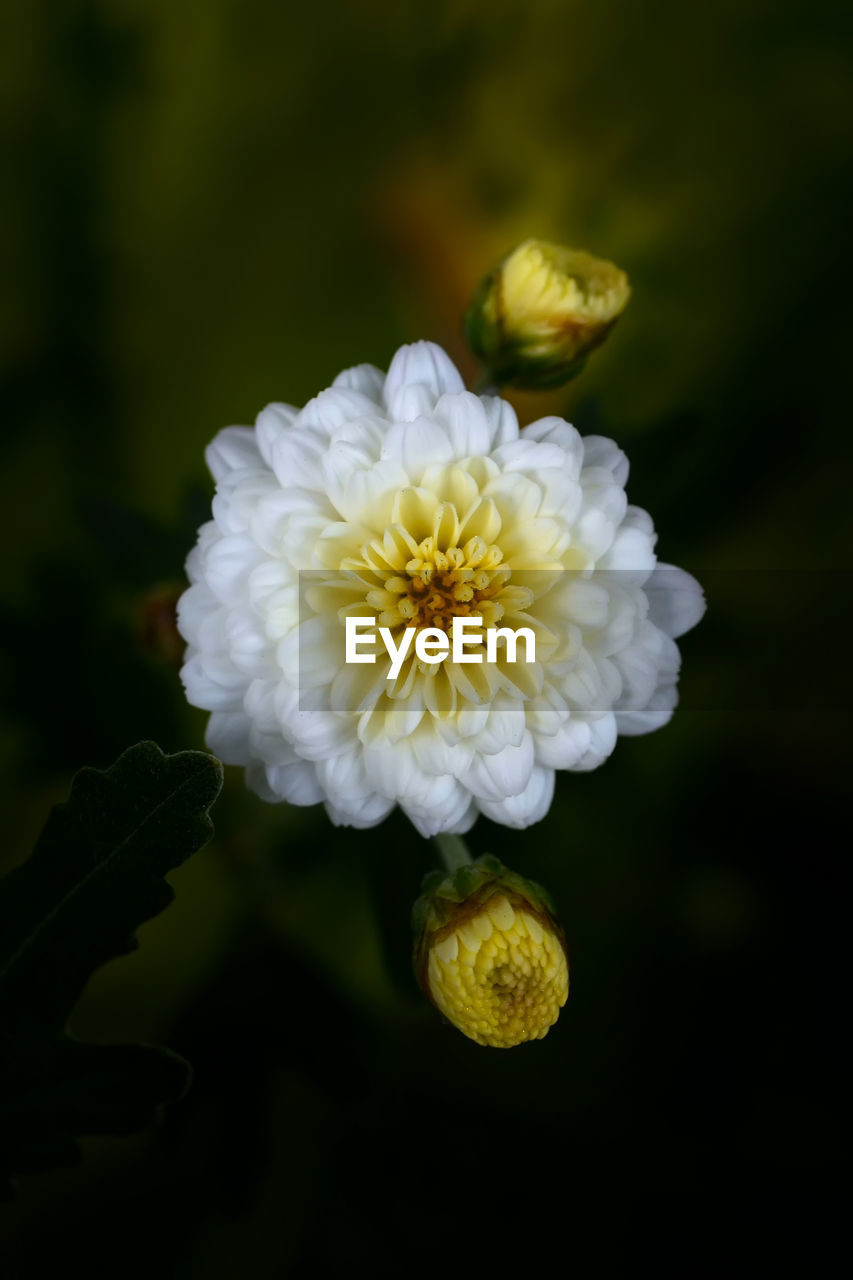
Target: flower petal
(364,378)
(234,449)
(529,806)
(422,364)
(676,600)
(270,424)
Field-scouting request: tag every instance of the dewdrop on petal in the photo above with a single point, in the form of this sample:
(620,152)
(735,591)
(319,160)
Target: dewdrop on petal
(541,311)
(489,953)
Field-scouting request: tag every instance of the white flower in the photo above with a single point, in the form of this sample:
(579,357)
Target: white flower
(410,499)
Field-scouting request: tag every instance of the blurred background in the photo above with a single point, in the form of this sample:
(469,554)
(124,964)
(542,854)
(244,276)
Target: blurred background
(211,206)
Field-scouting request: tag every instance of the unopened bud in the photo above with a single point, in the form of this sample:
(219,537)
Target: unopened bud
(489,953)
(541,311)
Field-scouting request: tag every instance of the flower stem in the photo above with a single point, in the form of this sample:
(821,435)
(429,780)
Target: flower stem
(454,851)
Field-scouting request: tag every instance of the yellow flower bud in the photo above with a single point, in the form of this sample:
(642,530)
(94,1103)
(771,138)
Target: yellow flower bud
(490,955)
(537,316)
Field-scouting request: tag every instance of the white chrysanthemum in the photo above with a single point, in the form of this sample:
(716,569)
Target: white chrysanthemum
(412,500)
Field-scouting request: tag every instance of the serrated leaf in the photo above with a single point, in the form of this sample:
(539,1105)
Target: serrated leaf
(96,874)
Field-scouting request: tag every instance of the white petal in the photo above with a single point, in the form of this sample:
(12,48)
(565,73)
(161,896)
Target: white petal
(501,419)
(368,811)
(234,449)
(350,799)
(365,378)
(455,812)
(296,459)
(364,496)
(227,736)
(410,401)
(238,496)
(464,416)
(654,716)
(529,455)
(587,603)
(392,771)
(595,530)
(505,726)
(602,741)
(637,518)
(297,783)
(598,451)
(601,492)
(529,806)
(193,607)
(248,645)
(676,600)
(313,651)
(256,781)
(333,408)
(259,705)
(272,513)
(270,423)
(268,581)
(202,691)
(557,431)
(422,364)
(436,756)
(417,445)
(227,566)
(207,535)
(566,747)
(317,734)
(631,555)
(506,773)
(471,721)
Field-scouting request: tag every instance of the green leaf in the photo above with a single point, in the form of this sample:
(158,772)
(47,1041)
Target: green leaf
(95,875)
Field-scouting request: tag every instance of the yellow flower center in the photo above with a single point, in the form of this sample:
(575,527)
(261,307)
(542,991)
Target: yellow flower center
(441,584)
(501,975)
(428,568)
(439,551)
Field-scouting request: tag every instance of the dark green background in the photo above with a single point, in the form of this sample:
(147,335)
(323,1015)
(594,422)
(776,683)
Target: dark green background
(209,206)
